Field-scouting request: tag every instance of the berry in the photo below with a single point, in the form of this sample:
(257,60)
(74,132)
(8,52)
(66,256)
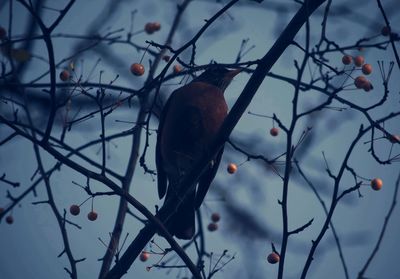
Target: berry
(232,168)
(137,69)
(149,28)
(274,132)
(74,209)
(347,59)
(366,69)
(156,26)
(367,86)
(359,60)
(152,27)
(64,75)
(360,81)
(212,227)
(385,31)
(376,184)
(92,216)
(273,258)
(215,217)
(177,69)
(144,256)
(3,33)
(9,219)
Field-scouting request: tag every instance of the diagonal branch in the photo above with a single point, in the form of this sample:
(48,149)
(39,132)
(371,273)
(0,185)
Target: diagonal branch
(230,122)
(383,230)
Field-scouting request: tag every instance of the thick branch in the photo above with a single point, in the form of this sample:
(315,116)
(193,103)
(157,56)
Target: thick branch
(230,122)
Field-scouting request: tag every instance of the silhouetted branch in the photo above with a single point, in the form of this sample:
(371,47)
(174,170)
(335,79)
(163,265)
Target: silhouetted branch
(382,233)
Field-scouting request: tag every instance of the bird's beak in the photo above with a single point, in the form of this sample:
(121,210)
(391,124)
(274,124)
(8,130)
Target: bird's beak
(233,73)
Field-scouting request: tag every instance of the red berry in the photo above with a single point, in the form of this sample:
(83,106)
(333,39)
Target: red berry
(64,75)
(149,28)
(144,256)
(215,217)
(156,26)
(273,258)
(177,69)
(92,216)
(360,81)
(212,227)
(359,60)
(385,31)
(366,69)
(367,86)
(9,219)
(347,59)
(376,184)
(232,168)
(152,27)
(274,132)
(137,69)
(74,209)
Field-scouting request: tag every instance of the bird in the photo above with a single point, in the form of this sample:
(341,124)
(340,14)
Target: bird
(188,124)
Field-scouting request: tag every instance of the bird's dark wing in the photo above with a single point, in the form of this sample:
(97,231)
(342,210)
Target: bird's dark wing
(161,175)
(207,178)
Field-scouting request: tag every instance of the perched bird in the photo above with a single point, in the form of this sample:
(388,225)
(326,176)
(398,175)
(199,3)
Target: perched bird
(189,122)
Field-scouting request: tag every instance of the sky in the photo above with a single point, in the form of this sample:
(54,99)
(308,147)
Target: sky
(29,247)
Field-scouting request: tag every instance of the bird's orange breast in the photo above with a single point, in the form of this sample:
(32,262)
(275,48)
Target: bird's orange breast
(195,114)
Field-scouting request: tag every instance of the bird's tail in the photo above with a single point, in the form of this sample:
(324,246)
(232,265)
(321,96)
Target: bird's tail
(182,223)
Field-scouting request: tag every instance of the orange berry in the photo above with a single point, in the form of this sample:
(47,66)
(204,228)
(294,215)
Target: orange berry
(149,28)
(367,86)
(9,219)
(232,168)
(273,258)
(366,69)
(360,81)
(177,68)
(152,27)
(212,227)
(156,26)
(137,69)
(74,209)
(274,132)
(64,75)
(92,216)
(144,256)
(3,33)
(215,217)
(385,31)
(347,59)
(359,60)
(376,184)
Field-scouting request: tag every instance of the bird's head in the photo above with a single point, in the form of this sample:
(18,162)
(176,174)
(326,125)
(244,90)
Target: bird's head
(218,76)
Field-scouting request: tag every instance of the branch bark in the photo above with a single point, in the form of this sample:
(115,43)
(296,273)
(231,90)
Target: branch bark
(230,122)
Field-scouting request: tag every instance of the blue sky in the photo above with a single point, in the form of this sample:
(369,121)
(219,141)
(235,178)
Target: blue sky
(29,247)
